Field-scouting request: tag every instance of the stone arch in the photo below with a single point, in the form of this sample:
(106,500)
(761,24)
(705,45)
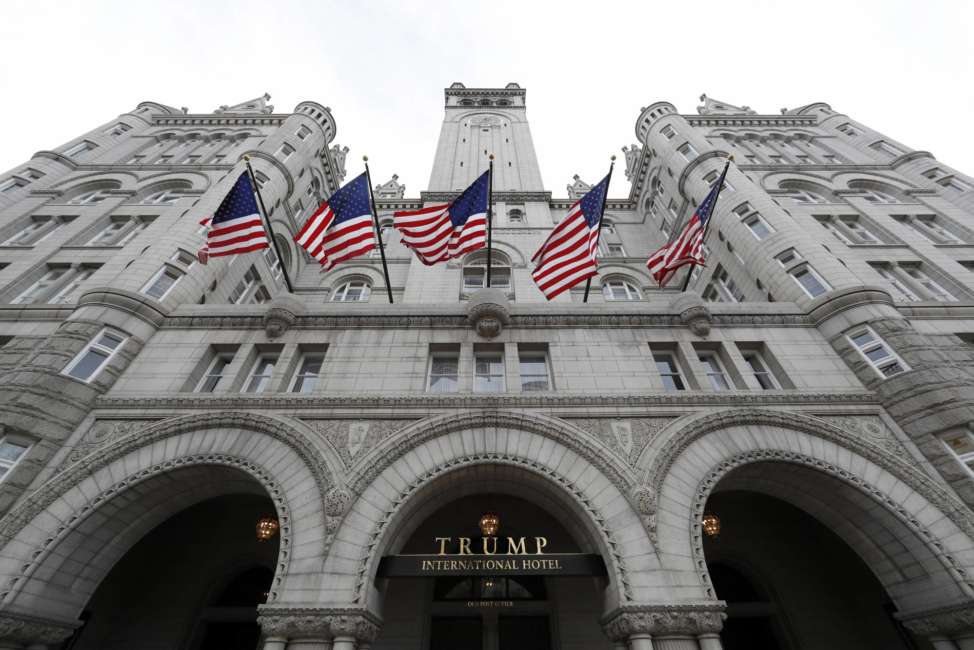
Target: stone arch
(100,506)
(862,492)
(97,180)
(572,469)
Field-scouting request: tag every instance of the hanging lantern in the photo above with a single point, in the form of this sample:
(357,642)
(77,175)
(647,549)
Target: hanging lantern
(489,524)
(711,524)
(266,528)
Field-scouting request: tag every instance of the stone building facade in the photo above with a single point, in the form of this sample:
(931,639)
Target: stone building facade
(812,391)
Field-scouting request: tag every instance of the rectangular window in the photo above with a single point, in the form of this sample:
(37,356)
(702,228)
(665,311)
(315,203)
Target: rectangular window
(668,132)
(262,179)
(488,372)
(135,160)
(12,184)
(44,287)
(669,372)
(444,371)
(118,129)
(714,369)
(758,368)
(961,447)
(185,258)
(712,176)
(303,132)
(162,282)
(934,229)
(614,250)
(876,353)
(70,290)
(810,281)
(308,371)
(931,287)
(244,289)
(687,151)
(885,148)
(260,376)
(285,151)
(79,148)
(96,355)
(11,451)
(847,129)
(533,368)
(273,263)
(215,373)
(901,291)
(859,233)
(758,226)
(37,229)
(192,159)
(788,257)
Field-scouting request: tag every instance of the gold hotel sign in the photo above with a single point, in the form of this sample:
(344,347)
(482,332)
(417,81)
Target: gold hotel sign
(491,556)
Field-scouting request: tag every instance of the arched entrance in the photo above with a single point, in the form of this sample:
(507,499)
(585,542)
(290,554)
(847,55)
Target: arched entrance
(537,582)
(193,582)
(790,582)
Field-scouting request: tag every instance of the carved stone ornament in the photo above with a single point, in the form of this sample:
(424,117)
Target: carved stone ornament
(693,312)
(280,316)
(665,620)
(321,623)
(488,310)
(946,621)
(337,500)
(29,630)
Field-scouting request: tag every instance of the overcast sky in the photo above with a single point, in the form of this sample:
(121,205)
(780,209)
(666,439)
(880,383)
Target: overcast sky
(903,68)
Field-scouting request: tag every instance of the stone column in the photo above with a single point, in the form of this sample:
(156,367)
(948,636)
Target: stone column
(294,628)
(946,628)
(352,627)
(18,632)
(655,627)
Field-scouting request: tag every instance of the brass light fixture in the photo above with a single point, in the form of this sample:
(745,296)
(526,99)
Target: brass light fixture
(490,523)
(711,524)
(266,528)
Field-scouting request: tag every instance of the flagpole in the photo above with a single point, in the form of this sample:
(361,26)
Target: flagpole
(598,234)
(378,228)
(267,222)
(686,283)
(490,212)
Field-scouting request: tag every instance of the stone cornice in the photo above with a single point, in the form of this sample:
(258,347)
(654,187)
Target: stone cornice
(610,204)
(436,317)
(318,622)
(313,403)
(485,92)
(227,119)
(751,120)
(30,630)
(514,197)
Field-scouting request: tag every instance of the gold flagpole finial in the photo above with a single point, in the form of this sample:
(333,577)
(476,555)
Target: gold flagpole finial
(612,157)
(365,159)
(247,157)
(491,156)
(731,157)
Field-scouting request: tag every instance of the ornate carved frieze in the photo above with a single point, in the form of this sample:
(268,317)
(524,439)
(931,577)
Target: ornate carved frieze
(674,399)
(29,630)
(354,438)
(688,619)
(946,621)
(870,428)
(627,437)
(318,622)
(101,434)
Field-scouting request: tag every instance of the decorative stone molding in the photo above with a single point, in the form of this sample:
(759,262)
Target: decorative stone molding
(625,436)
(693,312)
(352,439)
(568,436)
(635,401)
(614,560)
(946,621)
(685,619)
(30,630)
(318,622)
(35,503)
(903,469)
(101,434)
(281,315)
(489,311)
(148,309)
(644,500)
(932,542)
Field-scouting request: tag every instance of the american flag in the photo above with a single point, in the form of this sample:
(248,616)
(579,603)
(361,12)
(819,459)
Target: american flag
(341,227)
(442,232)
(687,248)
(568,256)
(236,226)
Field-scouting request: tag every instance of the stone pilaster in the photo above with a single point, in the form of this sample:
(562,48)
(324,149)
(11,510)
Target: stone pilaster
(311,628)
(640,624)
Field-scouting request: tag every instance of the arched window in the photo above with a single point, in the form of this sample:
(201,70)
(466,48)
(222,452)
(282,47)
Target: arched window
(875,196)
(608,228)
(475,272)
(796,195)
(485,102)
(620,289)
(515,216)
(466,102)
(353,291)
(162,197)
(90,197)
